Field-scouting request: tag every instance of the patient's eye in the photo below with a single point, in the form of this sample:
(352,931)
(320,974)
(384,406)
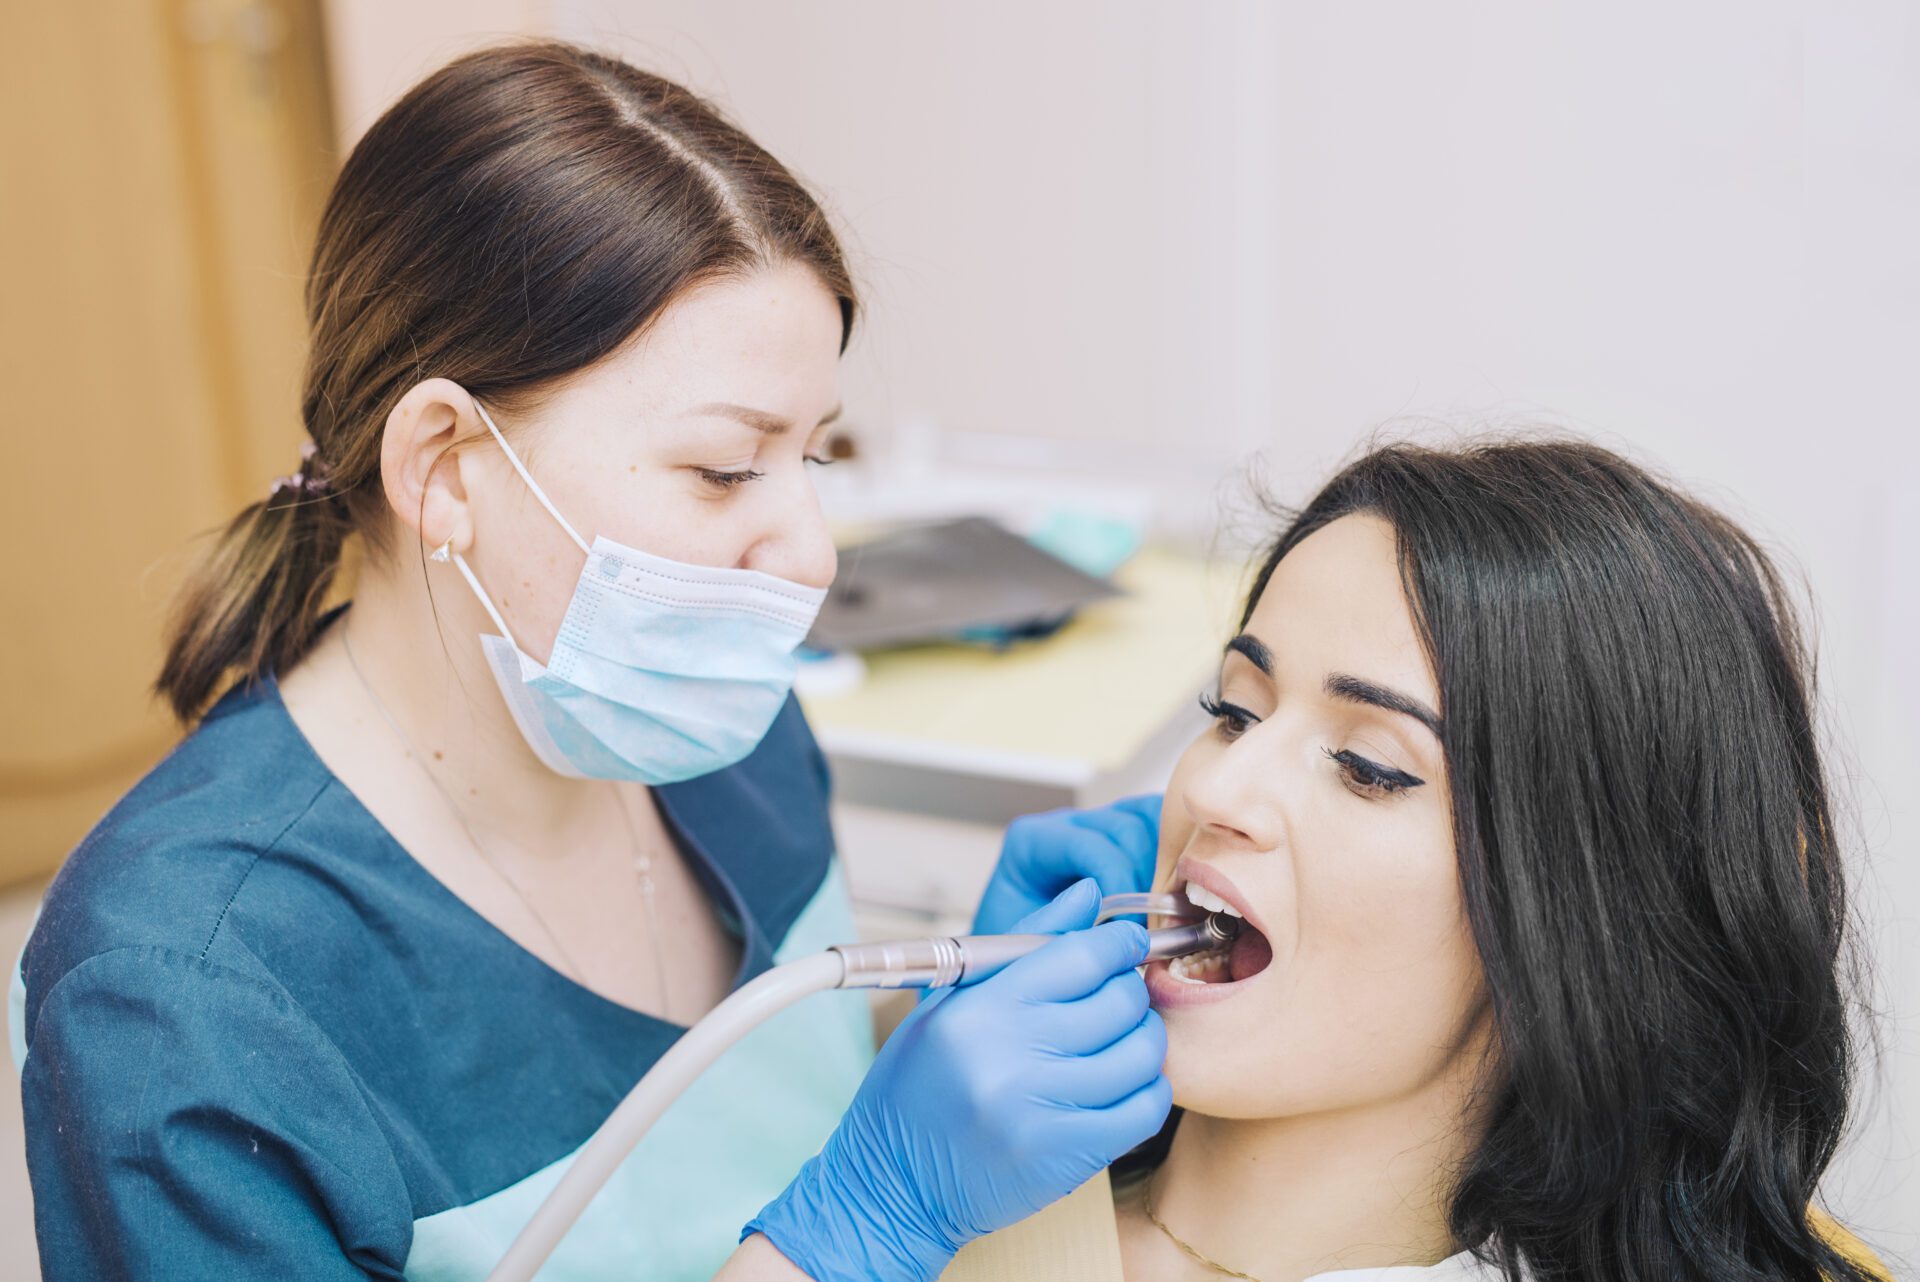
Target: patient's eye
(1231,719)
(1370,778)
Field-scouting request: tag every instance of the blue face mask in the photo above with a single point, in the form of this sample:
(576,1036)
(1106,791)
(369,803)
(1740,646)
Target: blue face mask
(661,671)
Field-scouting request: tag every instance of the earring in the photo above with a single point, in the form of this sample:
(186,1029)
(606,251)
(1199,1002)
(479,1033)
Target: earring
(443,553)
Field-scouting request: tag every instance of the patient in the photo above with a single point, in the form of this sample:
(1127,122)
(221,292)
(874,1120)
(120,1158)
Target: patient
(1513,780)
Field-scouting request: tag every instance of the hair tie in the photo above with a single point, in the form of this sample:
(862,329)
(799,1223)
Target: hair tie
(312,480)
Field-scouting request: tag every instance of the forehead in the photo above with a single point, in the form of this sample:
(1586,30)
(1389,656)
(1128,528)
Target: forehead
(765,338)
(1335,604)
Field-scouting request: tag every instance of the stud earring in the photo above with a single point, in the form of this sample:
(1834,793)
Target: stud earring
(443,553)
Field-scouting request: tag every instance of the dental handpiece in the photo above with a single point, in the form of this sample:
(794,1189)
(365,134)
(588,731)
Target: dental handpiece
(947,961)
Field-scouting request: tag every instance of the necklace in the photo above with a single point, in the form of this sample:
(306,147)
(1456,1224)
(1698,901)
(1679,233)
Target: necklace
(1174,1238)
(642,861)
(643,869)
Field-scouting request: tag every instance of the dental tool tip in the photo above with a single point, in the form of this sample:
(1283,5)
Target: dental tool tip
(1222,926)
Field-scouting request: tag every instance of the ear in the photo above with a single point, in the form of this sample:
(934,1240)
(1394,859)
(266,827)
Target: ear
(419,467)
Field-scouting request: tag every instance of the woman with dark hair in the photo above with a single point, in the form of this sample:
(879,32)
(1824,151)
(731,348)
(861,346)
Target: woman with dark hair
(341,987)
(1513,783)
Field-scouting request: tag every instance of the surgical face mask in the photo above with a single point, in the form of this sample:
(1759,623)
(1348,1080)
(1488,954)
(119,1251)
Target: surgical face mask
(661,671)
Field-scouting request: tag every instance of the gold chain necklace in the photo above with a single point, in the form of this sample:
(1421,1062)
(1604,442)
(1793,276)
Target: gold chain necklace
(1175,1238)
(642,861)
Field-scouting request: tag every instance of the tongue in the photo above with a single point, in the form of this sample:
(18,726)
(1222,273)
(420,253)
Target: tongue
(1251,954)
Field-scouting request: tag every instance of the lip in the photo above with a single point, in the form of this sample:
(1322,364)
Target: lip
(1168,993)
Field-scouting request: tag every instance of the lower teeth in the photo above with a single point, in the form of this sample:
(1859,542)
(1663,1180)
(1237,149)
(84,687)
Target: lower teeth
(1201,968)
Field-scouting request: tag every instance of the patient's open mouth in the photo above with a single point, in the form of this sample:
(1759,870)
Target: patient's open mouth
(1217,970)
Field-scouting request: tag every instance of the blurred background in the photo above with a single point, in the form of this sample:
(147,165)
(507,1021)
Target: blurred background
(1121,260)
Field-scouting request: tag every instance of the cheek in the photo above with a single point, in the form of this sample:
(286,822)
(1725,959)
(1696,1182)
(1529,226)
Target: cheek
(529,567)
(1382,899)
(663,509)
(1388,974)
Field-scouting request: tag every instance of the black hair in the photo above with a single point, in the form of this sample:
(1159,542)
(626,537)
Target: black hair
(1647,857)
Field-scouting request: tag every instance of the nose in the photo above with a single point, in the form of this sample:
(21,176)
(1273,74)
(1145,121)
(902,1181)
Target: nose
(795,544)
(1236,802)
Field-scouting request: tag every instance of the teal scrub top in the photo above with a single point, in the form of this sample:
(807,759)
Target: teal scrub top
(258,1040)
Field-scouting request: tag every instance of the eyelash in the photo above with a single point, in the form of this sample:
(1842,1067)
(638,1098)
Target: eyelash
(1365,777)
(1370,778)
(1233,719)
(729,480)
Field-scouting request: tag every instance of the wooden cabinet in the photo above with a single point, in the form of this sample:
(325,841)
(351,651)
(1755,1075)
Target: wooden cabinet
(162,167)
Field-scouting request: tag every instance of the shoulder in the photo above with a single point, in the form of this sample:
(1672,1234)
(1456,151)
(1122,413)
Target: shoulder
(109,1014)
(163,867)
(186,1119)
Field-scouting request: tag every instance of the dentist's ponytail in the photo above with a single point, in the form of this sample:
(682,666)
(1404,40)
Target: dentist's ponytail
(516,217)
(253,602)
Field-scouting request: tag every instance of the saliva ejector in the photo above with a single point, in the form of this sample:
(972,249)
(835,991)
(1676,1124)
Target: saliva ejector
(942,962)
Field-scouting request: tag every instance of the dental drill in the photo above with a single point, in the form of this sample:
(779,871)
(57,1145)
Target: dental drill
(943,962)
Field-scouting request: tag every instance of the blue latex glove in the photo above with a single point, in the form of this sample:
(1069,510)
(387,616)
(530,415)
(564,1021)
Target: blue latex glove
(987,1104)
(1044,854)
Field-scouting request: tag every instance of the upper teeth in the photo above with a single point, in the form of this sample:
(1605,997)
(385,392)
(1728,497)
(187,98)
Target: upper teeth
(1200,897)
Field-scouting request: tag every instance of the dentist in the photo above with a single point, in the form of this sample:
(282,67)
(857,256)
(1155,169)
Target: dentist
(338,989)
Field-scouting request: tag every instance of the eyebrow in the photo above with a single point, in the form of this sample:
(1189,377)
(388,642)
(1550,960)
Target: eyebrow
(1255,649)
(1344,686)
(759,420)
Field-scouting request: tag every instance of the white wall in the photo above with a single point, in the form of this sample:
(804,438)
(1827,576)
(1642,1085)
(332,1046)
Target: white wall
(376,49)
(1166,235)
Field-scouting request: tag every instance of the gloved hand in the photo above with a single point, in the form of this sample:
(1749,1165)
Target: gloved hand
(987,1104)
(1044,854)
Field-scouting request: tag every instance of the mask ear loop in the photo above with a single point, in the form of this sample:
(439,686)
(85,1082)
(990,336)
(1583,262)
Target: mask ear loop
(460,562)
(532,484)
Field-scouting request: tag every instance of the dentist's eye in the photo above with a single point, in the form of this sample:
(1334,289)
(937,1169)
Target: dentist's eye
(1233,720)
(727,480)
(1370,778)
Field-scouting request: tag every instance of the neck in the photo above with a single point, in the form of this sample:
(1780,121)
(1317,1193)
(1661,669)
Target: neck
(1285,1198)
(415,640)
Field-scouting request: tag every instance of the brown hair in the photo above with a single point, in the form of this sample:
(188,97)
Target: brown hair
(517,216)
